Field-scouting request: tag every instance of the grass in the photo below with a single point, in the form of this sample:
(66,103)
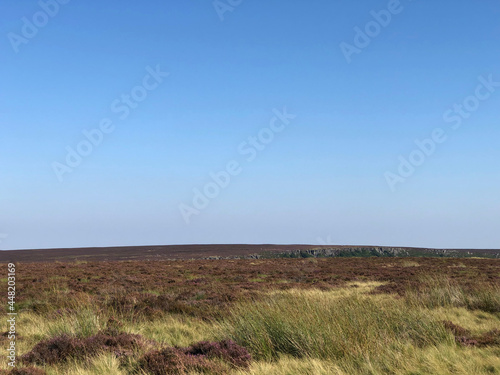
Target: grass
(439,291)
(347,331)
(82,323)
(440,360)
(106,363)
(324,325)
(366,316)
(476,321)
(410,263)
(174,330)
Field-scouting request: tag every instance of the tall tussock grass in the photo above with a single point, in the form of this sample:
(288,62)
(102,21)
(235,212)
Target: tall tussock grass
(438,291)
(322,325)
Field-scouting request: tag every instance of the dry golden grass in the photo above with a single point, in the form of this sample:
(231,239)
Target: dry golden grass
(292,327)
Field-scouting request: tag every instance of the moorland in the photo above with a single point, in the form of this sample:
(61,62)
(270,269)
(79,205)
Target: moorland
(301,315)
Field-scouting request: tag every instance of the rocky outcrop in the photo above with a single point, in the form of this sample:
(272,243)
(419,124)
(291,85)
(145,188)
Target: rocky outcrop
(365,251)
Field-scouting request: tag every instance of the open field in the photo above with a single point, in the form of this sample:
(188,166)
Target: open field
(234,251)
(370,315)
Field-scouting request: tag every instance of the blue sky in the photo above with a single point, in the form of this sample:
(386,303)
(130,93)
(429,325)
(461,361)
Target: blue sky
(332,175)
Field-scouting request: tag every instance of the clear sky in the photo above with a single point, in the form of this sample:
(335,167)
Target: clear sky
(354,83)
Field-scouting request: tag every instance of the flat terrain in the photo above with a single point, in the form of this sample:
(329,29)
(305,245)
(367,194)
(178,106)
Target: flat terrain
(169,252)
(141,252)
(345,316)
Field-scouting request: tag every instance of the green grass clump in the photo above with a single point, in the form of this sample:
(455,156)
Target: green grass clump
(327,326)
(436,292)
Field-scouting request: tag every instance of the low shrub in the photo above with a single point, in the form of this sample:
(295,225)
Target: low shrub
(455,328)
(149,305)
(27,371)
(121,344)
(464,337)
(60,349)
(490,338)
(54,350)
(202,357)
(176,362)
(227,350)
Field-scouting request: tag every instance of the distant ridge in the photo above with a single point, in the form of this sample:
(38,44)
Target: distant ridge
(231,251)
